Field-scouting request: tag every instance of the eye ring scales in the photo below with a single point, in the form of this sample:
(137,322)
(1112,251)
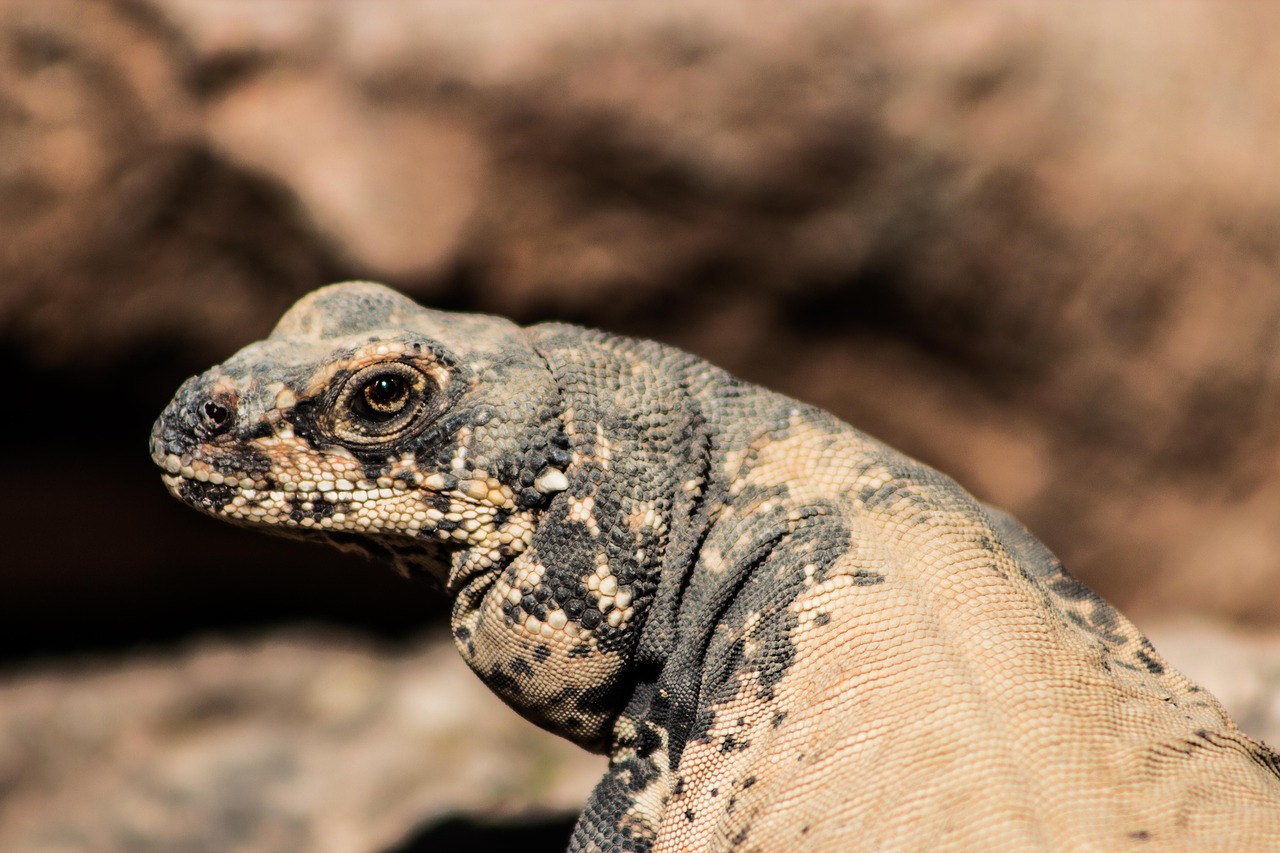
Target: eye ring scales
(381,402)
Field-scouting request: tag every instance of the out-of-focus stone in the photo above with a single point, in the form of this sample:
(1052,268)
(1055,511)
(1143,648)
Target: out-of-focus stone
(305,742)
(294,742)
(1241,668)
(390,188)
(1034,246)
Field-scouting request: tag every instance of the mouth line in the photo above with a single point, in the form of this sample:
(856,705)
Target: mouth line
(176,469)
(251,489)
(357,505)
(340,506)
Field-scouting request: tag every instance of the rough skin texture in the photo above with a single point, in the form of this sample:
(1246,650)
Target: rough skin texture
(785,635)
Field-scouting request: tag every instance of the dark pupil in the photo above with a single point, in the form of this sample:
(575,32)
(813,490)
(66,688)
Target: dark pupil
(386,393)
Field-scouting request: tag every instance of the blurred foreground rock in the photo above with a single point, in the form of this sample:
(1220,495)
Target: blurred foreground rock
(299,742)
(1241,668)
(295,742)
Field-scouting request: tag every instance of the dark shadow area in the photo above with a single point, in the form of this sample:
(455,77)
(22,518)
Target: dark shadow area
(549,834)
(98,556)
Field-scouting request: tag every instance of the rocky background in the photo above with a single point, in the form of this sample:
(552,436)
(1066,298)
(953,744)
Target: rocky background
(1034,245)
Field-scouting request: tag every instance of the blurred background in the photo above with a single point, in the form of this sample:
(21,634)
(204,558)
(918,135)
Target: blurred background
(1034,245)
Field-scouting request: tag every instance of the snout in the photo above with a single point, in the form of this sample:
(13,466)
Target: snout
(202,411)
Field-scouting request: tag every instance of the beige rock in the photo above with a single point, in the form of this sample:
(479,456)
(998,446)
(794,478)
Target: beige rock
(292,742)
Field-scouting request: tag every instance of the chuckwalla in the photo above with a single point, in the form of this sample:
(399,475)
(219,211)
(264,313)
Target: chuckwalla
(785,635)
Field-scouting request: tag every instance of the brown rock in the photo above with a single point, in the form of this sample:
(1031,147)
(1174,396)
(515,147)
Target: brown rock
(1033,246)
(294,742)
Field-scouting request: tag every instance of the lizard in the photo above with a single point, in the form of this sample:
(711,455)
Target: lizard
(783,633)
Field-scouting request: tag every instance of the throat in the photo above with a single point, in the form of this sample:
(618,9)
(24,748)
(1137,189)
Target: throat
(484,561)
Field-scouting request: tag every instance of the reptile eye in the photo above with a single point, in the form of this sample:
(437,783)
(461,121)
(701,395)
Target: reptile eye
(386,394)
(382,401)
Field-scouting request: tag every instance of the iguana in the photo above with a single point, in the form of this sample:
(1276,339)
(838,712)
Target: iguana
(785,635)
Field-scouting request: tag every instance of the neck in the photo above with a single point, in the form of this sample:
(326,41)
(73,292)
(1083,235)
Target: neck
(564,630)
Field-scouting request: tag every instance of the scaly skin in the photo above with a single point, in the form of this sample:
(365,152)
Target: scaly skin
(785,635)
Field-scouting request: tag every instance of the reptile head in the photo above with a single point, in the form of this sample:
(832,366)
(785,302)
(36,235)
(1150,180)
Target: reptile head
(378,424)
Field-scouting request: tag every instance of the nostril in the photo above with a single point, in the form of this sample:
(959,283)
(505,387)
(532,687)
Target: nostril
(215,416)
(216,413)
